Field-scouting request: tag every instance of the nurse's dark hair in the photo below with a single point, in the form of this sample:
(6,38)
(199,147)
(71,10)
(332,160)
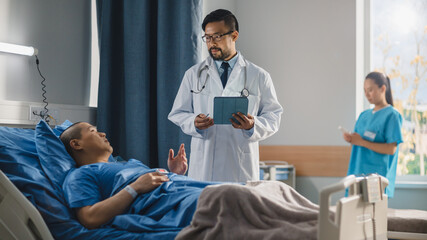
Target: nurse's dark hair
(381,79)
(72,132)
(222,15)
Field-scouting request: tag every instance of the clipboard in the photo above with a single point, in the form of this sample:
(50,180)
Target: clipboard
(224,107)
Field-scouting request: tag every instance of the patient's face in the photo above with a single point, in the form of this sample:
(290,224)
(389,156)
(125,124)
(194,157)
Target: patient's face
(225,48)
(92,140)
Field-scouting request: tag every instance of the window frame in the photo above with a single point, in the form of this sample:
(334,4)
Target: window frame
(364,56)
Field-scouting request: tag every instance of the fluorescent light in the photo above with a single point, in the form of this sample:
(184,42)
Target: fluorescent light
(18,49)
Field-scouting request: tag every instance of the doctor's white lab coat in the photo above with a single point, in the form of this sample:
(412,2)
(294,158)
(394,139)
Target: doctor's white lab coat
(221,152)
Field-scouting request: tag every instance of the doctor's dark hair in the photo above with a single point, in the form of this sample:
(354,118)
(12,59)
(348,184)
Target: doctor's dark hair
(381,79)
(222,15)
(72,132)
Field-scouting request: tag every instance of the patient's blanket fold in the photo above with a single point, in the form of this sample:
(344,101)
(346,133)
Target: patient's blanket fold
(259,210)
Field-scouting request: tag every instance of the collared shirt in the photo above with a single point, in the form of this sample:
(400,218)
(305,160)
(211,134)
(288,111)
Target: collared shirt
(231,62)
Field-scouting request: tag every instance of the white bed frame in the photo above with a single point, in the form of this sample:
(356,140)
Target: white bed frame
(356,218)
(19,219)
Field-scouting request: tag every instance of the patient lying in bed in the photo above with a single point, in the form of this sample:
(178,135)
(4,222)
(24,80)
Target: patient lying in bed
(99,191)
(37,163)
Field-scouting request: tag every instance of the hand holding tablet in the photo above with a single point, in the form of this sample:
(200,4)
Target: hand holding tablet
(225,107)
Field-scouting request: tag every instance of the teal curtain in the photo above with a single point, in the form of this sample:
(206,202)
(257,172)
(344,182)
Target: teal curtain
(145,48)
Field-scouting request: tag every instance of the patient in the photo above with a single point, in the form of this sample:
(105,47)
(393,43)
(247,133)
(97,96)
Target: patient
(89,188)
(130,196)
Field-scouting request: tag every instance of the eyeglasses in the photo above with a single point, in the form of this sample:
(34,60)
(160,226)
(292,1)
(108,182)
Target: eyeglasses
(215,37)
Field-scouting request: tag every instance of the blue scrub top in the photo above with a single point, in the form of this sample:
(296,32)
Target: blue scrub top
(382,126)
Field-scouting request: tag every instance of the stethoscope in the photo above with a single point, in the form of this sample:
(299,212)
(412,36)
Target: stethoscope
(243,93)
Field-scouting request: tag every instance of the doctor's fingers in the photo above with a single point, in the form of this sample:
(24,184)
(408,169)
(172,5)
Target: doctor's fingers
(204,124)
(235,125)
(200,120)
(242,119)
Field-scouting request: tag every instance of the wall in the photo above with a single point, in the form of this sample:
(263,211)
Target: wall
(61,31)
(309,48)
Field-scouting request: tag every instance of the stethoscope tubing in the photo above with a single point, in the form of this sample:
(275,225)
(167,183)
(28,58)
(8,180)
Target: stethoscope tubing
(243,93)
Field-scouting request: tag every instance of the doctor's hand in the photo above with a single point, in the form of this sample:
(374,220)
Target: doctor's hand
(246,122)
(179,163)
(203,122)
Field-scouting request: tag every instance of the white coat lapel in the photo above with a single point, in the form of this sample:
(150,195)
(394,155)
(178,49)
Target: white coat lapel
(214,76)
(235,82)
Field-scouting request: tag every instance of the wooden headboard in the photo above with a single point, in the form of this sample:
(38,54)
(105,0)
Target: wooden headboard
(324,161)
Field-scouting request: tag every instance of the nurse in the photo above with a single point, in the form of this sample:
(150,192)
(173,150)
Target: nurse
(377,133)
(225,152)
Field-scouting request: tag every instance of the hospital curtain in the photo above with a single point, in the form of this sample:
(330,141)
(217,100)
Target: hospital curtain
(145,48)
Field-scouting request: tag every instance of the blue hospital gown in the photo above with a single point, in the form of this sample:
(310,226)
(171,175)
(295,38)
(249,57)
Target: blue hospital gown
(383,126)
(169,207)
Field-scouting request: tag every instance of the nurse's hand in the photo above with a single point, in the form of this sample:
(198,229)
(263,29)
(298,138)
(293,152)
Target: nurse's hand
(347,137)
(202,121)
(356,139)
(246,122)
(179,163)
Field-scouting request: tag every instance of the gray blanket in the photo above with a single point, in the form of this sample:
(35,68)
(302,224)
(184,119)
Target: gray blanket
(407,220)
(258,210)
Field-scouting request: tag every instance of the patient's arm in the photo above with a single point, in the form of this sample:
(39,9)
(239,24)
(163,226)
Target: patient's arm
(100,213)
(179,163)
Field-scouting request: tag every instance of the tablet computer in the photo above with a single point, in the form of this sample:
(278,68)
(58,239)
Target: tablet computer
(224,107)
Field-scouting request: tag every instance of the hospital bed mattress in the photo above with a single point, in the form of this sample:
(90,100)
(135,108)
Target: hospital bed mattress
(407,224)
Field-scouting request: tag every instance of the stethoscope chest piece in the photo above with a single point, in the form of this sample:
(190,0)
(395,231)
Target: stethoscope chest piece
(244,93)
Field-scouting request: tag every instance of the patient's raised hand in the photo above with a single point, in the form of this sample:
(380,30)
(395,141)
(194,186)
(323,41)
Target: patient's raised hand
(148,182)
(179,163)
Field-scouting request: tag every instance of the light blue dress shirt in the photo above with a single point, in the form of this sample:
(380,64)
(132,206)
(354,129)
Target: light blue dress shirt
(231,62)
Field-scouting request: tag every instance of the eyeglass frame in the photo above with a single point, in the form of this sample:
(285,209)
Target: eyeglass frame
(218,37)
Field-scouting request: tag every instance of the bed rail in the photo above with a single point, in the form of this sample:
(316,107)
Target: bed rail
(357,216)
(19,219)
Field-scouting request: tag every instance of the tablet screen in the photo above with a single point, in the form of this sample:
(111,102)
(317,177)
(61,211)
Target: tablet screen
(224,107)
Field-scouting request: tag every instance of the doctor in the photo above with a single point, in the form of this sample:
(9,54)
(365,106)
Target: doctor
(225,152)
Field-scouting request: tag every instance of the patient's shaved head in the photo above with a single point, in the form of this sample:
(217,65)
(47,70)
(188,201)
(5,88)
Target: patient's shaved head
(72,132)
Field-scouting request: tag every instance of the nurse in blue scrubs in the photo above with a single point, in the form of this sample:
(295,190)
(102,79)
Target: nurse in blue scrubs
(377,133)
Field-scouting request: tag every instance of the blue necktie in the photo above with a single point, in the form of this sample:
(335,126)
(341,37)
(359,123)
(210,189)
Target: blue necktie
(224,75)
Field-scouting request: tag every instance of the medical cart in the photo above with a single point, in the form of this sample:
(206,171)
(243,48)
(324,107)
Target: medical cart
(278,171)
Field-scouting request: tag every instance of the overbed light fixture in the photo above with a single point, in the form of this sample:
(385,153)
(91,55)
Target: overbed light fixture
(29,51)
(18,49)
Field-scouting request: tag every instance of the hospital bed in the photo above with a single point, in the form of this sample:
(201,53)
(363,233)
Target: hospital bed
(363,214)
(24,168)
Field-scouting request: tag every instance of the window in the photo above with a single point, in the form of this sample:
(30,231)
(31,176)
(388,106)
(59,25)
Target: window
(399,49)
(94,79)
